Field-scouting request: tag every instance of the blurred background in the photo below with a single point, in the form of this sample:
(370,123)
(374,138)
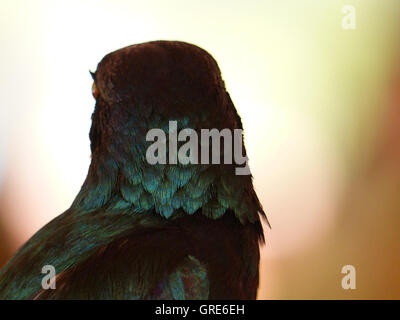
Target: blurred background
(320,106)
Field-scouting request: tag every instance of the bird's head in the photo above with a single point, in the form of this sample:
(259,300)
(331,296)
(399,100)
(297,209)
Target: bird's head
(146,85)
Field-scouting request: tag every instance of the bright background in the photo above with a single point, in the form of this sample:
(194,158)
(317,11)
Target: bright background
(320,107)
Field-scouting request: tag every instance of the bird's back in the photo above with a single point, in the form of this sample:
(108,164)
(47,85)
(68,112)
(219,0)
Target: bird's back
(191,257)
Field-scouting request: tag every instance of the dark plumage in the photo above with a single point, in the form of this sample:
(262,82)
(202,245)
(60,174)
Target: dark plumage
(141,231)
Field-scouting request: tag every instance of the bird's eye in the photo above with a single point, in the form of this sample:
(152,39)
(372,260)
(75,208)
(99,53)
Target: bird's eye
(95,91)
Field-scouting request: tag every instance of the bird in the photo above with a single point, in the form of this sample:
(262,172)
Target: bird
(141,231)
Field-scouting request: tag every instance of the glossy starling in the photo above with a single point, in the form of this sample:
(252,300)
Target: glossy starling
(150,231)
